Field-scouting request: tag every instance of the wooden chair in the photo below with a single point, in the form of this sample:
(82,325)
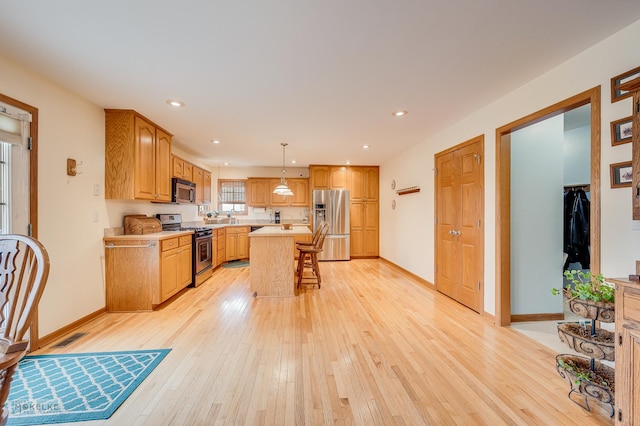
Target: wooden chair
(24,269)
(308,256)
(315,237)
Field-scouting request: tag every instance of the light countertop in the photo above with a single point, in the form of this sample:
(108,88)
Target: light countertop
(277,231)
(154,236)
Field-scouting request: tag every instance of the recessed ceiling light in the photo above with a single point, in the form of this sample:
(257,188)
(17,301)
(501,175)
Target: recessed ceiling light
(225,164)
(366,146)
(399,113)
(293,161)
(174,103)
(215,141)
(347,162)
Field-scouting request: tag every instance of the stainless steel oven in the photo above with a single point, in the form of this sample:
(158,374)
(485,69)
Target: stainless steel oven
(202,254)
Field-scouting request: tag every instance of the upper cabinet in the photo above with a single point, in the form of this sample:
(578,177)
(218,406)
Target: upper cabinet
(260,192)
(364,183)
(181,169)
(328,177)
(300,189)
(207,187)
(202,178)
(198,179)
(137,158)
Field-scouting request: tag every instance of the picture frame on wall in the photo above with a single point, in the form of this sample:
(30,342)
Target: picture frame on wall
(621,174)
(621,131)
(617,93)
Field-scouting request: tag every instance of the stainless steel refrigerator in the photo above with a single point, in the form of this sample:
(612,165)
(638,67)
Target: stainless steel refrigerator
(333,206)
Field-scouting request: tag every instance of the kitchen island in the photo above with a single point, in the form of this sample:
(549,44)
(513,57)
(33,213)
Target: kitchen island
(272,259)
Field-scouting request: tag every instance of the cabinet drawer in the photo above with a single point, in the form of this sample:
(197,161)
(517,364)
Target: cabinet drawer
(185,240)
(631,305)
(170,243)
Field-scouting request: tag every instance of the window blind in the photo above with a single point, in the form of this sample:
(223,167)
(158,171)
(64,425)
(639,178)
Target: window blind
(232,192)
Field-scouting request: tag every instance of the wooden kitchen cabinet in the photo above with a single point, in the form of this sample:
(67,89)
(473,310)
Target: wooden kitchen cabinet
(365,227)
(181,169)
(176,266)
(221,246)
(364,217)
(276,200)
(207,187)
(258,194)
(364,184)
(300,189)
(141,273)
(202,178)
(328,177)
(237,243)
(137,158)
(198,179)
(627,351)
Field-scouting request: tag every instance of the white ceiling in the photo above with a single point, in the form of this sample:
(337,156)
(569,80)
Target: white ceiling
(322,76)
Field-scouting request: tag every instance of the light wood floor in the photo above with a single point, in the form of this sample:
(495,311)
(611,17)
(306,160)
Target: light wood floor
(372,347)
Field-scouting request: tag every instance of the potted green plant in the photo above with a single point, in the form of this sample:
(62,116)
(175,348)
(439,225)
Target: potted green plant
(589,296)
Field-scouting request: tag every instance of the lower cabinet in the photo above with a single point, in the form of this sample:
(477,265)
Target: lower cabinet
(364,228)
(175,266)
(221,247)
(237,243)
(141,273)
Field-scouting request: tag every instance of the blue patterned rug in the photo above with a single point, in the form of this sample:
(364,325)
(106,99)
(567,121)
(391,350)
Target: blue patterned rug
(77,387)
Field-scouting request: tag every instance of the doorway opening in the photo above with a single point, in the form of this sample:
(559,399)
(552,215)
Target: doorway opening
(503,192)
(29,216)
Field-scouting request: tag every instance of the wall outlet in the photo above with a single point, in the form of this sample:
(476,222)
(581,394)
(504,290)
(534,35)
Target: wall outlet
(96,217)
(96,189)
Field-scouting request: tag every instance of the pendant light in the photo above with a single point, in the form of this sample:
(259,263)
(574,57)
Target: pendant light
(283,189)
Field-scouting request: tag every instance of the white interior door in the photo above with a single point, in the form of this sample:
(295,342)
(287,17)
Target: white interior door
(14,170)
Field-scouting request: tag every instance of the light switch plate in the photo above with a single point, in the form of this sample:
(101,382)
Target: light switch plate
(635,225)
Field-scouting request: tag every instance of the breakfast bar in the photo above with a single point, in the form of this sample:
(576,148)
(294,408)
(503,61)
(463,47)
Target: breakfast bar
(272,254)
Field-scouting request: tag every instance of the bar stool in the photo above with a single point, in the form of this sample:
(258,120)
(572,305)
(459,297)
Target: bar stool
(308,256)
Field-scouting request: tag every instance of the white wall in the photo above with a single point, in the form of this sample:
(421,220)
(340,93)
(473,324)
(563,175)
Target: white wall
(407,233)
(69,127)
(577,157)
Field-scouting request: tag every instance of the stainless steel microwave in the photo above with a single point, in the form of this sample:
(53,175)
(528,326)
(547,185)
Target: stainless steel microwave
(183,191)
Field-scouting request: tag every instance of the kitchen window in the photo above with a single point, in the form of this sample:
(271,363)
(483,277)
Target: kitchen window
(232,196)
